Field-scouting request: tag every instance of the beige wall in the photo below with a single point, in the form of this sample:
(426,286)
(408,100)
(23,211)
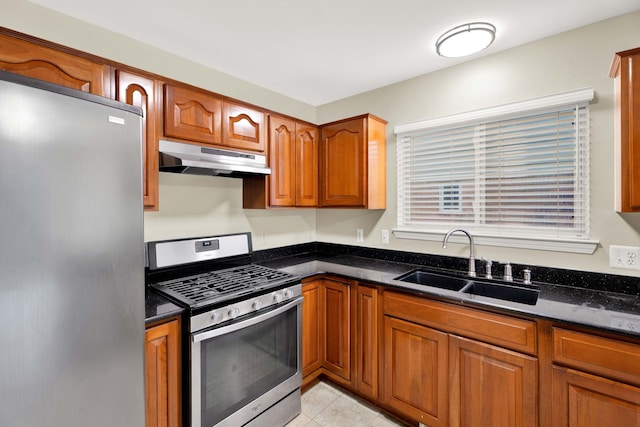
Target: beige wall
(193,206)
(572,60)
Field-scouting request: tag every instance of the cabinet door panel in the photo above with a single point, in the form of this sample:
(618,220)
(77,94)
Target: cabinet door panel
(140,91)
(43,63)
(491,386)
(626,70)
(282,152)
(306,169)
(162,375)
(243,127)
(312,326)
(192,115)
(583,400)
(415,371)
(337,348)
(343,168)
(367,341)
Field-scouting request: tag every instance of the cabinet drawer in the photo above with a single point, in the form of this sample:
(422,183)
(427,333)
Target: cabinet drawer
(504,331)
(603,356)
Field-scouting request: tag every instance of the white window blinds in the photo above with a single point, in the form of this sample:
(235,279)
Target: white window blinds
(514,174)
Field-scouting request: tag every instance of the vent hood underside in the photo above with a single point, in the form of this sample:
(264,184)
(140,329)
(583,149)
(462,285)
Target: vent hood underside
(193,159)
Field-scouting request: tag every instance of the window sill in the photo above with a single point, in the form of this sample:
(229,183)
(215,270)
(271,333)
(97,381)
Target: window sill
(556,245)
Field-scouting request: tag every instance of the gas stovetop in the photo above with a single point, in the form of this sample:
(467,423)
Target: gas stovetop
(217,286)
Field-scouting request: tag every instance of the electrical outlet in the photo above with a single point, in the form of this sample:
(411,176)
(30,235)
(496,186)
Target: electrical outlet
(359,235)
(627,257)
(385,237)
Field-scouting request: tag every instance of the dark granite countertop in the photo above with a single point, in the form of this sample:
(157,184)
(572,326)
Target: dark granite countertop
(617,311)
(158,308)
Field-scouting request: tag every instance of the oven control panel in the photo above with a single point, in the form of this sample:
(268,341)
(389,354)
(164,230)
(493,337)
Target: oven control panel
(250,305)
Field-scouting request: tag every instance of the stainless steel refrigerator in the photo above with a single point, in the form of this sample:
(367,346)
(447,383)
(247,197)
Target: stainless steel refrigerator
(71,258)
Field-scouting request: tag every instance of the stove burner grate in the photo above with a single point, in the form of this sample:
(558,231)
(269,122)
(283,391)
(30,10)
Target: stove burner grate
(219,285)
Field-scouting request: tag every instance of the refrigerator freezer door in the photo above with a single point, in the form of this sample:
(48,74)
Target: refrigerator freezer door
(71,260)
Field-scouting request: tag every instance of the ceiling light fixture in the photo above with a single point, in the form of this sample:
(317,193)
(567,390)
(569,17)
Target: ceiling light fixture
(466,39)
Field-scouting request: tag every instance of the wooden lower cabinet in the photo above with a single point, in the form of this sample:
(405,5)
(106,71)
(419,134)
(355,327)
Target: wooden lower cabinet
(337,335)
(415,371)
(312,326)
(162,354)
(366,341)
(491,386)
(444,364)
(583,400)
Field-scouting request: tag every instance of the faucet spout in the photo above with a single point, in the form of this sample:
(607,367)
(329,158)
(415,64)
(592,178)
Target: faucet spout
(472,260)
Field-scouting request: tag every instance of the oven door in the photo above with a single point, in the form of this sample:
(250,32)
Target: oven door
(240,370)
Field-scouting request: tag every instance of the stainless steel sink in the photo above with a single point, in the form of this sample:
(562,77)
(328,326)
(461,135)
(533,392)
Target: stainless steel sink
(420,277)
(505,292)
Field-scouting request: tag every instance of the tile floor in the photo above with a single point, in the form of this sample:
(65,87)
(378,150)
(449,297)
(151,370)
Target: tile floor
(324,405)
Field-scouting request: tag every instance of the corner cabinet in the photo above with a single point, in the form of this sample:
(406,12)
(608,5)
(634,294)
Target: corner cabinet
(353,163)
(293,158)
(163,388)
(626,72)
(141,91)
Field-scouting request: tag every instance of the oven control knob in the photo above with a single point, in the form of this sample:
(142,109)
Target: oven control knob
(234,312)
(277,297)
(216,317)
(288,294)
(257,304)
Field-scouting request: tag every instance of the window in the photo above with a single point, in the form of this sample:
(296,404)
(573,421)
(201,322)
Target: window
(517,171)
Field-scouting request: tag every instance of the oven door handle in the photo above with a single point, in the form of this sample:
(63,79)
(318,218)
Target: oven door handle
(245,323)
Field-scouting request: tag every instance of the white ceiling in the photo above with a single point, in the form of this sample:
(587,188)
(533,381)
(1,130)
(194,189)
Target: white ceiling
(322,51)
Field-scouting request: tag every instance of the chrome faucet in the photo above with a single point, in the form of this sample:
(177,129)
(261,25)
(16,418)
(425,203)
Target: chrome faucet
(472,260)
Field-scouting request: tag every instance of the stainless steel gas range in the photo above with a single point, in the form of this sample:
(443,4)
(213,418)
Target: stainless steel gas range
(244,329)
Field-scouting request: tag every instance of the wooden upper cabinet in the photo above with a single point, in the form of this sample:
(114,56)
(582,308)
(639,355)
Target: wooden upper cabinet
(282,155)
(44,63)
(243,127)
(353,163)
(201,117)
(626,71)
(306,163)
(141,91)
(192,115)
(293,153)
(293,158)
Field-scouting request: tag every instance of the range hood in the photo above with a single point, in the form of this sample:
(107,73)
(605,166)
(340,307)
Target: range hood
(178,157)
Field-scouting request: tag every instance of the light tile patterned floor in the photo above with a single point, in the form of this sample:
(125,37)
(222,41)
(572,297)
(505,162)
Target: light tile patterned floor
(324,405)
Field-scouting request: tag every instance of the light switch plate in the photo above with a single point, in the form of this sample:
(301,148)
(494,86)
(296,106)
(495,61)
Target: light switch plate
(359,235)
(385,237)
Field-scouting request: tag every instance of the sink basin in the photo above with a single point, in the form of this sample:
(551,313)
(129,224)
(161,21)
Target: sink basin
(420,277)
(505,292)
